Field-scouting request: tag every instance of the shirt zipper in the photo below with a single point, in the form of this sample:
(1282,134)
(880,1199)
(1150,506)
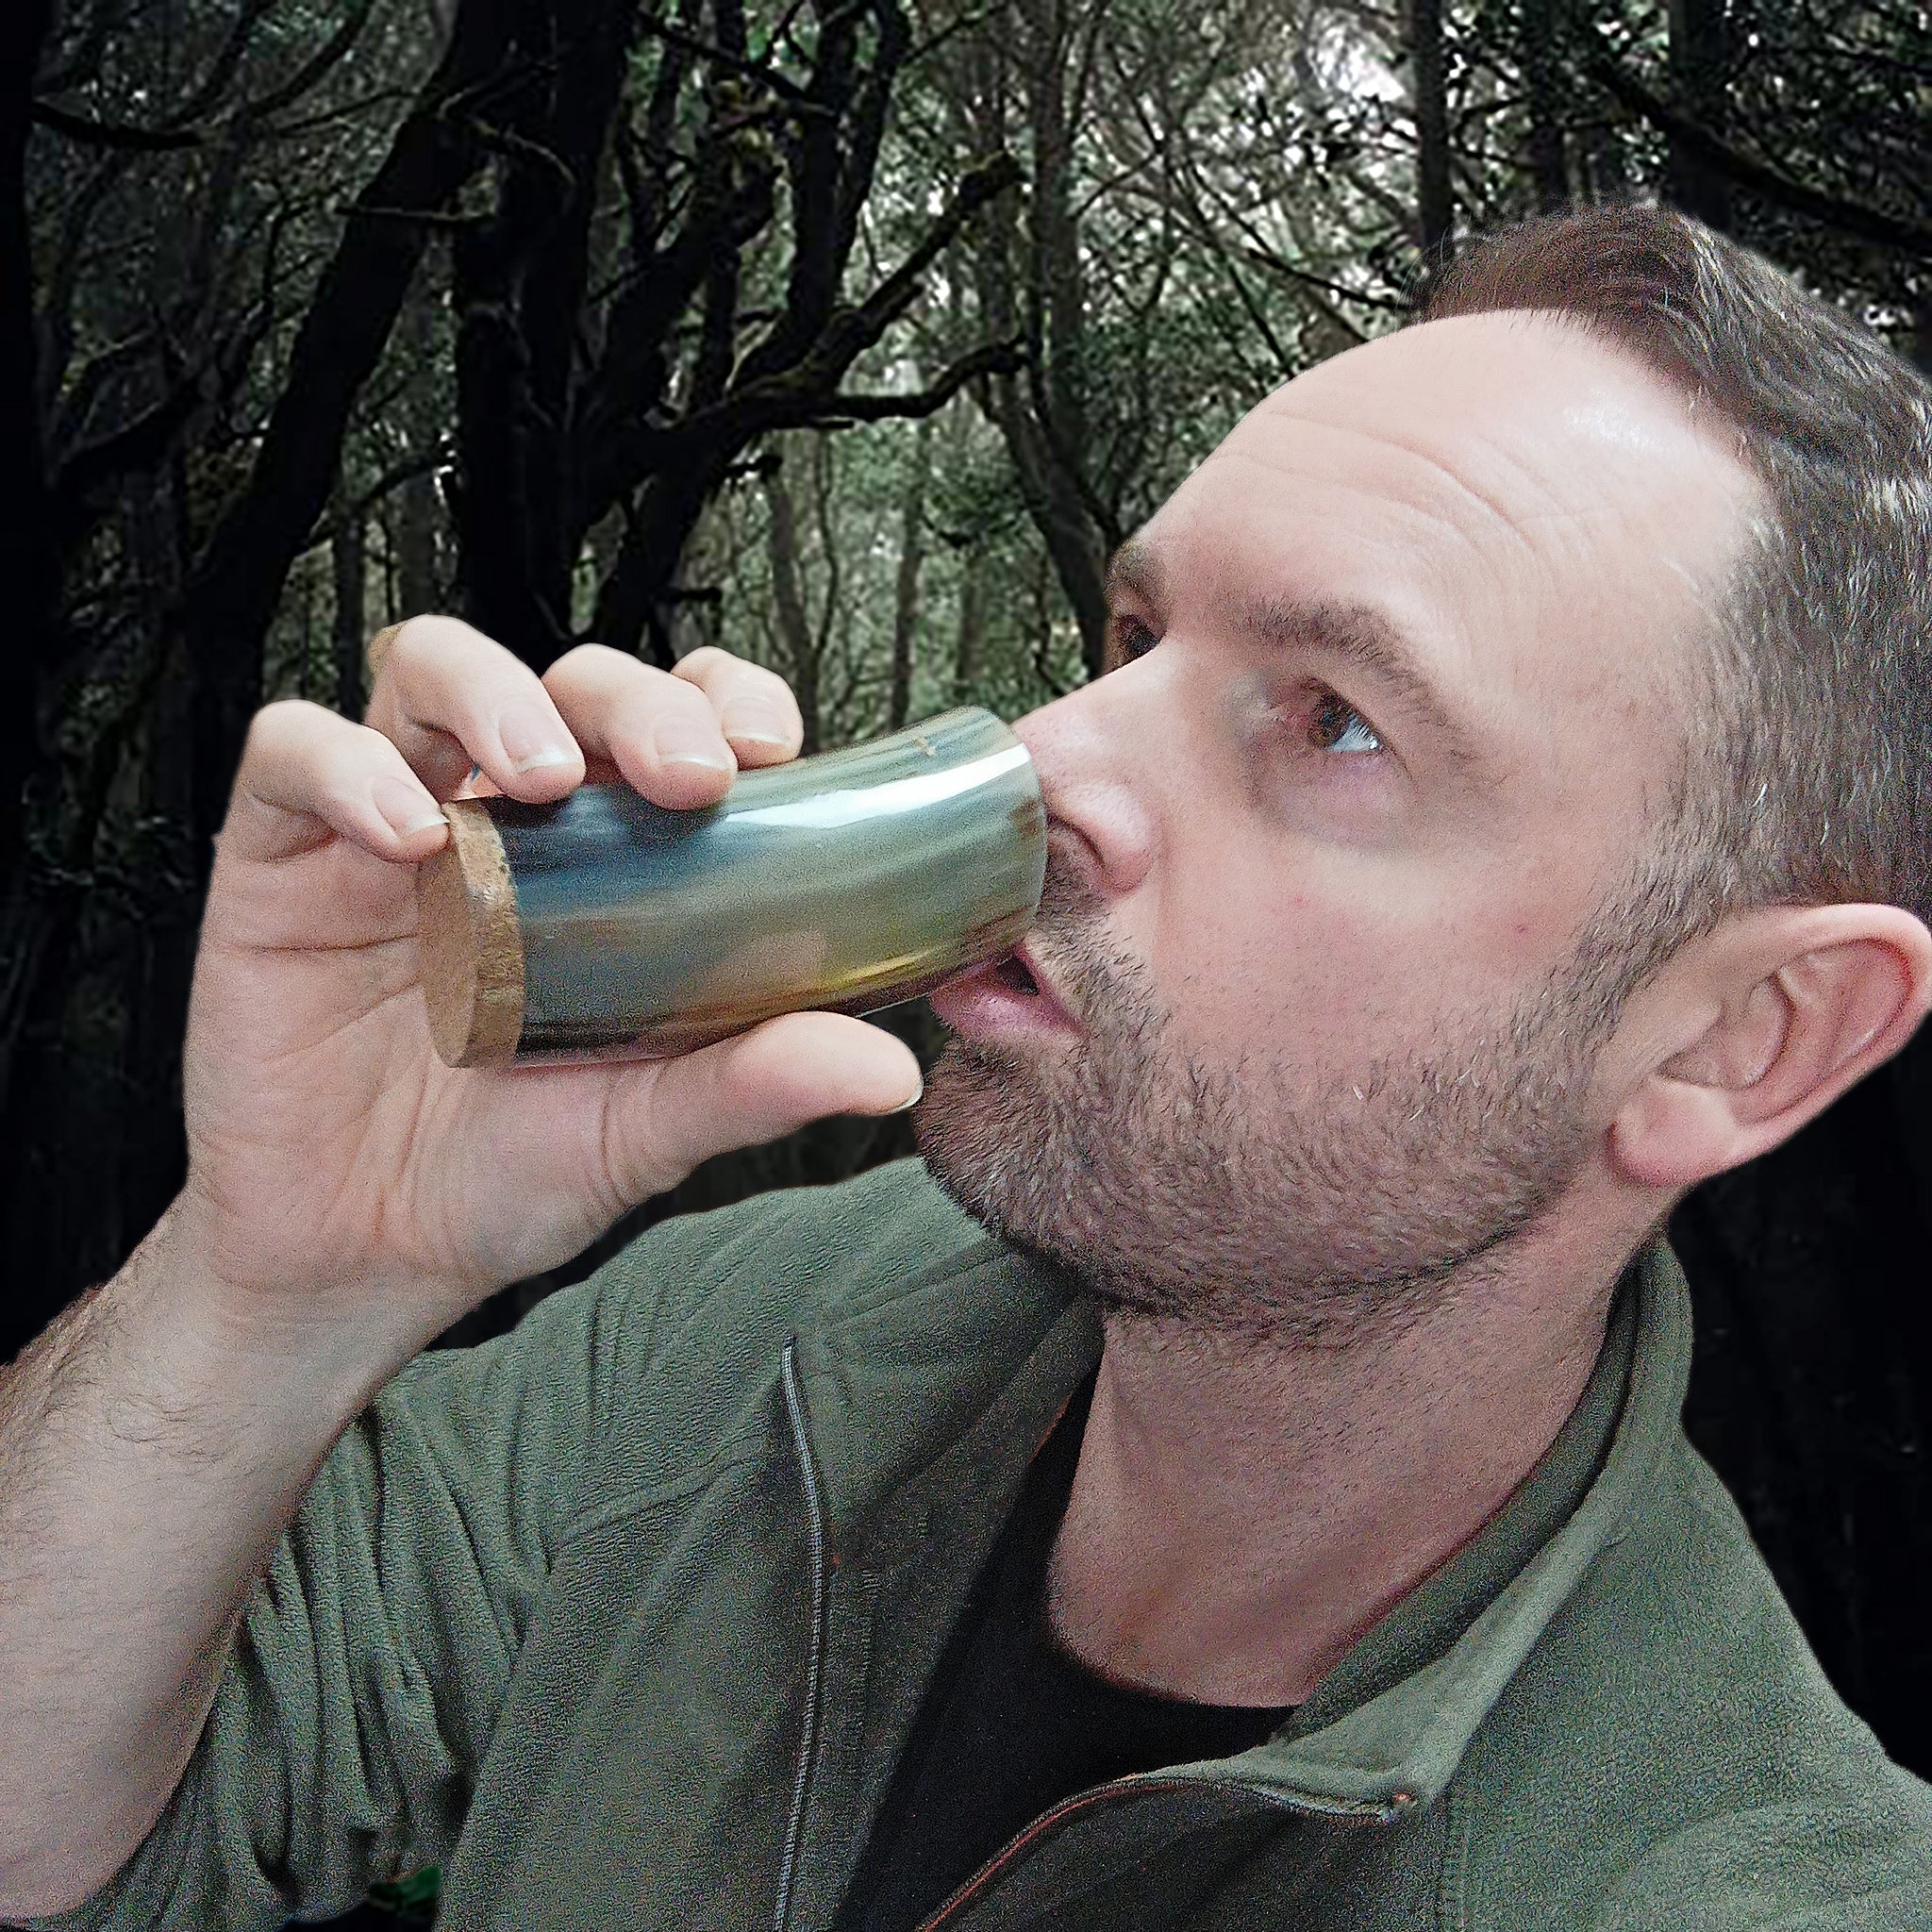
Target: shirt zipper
(815,1656)
(1357,1812)
(1342,1810)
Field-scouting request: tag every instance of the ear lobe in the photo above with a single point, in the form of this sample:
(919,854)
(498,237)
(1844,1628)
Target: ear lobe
(1822,1017)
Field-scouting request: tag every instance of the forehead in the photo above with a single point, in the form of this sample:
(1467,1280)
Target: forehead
(1545,521)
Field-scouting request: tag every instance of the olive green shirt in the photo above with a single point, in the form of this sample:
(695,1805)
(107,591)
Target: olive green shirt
(623,1619)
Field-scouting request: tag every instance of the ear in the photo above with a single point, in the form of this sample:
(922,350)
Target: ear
(1774,1017)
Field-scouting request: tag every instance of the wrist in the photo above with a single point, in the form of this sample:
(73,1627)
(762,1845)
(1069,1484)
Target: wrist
(220,1344)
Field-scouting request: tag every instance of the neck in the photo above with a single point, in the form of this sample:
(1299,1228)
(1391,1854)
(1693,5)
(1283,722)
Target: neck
(1243,1513)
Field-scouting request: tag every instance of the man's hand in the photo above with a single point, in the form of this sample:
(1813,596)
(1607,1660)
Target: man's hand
(338,1171)
(348,1196)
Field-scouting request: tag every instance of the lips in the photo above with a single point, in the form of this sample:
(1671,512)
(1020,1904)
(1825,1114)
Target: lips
(1011,993)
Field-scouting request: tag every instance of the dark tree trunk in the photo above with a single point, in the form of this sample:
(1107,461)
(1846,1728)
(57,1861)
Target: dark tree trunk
(416,514)
(27,547)
(1435,191)
(1699,63)
(1549,170)
(1054,501)
(349,559)
(519,288)
(906,586)
(229,607)
(969,634)
(788,606)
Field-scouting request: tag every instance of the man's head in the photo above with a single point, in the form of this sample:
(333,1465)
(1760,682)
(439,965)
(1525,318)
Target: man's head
(1500,806)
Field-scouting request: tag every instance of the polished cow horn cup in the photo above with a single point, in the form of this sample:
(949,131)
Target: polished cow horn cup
(604,926)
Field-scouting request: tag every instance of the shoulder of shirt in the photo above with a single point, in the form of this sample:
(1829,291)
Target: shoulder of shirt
(664,1364)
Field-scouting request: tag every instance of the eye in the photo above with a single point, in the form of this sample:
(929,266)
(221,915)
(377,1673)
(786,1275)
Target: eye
(1131,638)
(1335,724)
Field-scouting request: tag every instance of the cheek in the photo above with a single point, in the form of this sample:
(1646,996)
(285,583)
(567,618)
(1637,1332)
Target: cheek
(1246,958)
(1328,963)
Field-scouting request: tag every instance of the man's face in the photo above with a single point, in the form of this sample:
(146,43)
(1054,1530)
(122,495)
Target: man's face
(1402,681)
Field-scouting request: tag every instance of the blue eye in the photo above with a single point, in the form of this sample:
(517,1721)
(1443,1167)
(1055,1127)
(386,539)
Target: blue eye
(1335,724)
(1131,640)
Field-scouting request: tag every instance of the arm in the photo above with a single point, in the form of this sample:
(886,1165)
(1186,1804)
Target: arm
(348,1196)
(150,1453)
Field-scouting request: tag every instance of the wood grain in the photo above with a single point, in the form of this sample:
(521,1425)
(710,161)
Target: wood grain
(469,944)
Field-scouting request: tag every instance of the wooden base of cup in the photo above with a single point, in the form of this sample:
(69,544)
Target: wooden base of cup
(469,946)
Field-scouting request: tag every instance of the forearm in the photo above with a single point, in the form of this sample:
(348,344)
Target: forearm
(151,1452)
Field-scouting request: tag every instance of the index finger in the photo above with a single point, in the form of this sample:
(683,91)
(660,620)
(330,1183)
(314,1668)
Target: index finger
(448,698)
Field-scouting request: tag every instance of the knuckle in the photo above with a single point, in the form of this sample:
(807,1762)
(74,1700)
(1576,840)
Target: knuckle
(675,694)
(585,661)
(378,747)
(704,661)
(399,645)
(277,727)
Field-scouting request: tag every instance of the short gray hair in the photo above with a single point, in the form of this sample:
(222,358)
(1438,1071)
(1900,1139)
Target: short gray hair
(1812,780)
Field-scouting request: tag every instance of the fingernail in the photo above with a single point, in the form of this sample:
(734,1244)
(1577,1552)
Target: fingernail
(755,723)
(530,738)
(687,742)
(907,1105)
(408,808)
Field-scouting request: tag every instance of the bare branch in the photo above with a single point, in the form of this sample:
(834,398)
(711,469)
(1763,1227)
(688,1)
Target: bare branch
(992,358)
(1848,216)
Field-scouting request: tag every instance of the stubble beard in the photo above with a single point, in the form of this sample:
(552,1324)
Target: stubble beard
(1256,1200)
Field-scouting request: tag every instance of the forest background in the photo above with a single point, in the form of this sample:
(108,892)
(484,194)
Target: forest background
(851,335)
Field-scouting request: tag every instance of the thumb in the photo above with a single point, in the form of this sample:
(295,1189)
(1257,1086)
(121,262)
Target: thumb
(663,1117)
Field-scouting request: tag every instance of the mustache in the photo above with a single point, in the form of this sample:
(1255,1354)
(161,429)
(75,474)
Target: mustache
(1106,985)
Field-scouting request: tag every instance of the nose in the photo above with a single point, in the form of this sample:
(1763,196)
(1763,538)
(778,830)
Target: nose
(1095,775)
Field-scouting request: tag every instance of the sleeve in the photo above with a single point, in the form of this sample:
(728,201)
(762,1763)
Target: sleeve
(376,1651)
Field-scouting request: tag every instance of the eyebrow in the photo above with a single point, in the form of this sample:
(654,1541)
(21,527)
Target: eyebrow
(1360,636)
(1356,634)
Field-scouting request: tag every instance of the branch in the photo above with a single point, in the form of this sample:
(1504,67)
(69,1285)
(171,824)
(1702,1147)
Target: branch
(991,358)
(687,43)
(127,138)
(114,134)
(137,445)
(355,507)
(982,184)
(1848,216)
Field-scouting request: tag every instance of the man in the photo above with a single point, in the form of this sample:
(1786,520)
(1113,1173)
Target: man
(1508,806)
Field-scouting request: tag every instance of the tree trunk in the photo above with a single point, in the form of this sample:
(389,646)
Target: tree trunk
(418,512)
(968,635)
(1043,423)
(229,607)
(1548,162)
(906,590)
(1435,192)
(347,557)
(1699,63)
(28,760)
(788,599)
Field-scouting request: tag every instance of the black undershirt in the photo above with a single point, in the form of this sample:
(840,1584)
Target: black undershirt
(1011,1724)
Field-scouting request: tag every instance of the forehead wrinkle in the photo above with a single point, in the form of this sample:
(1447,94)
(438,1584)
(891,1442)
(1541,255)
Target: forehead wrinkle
(1515,518)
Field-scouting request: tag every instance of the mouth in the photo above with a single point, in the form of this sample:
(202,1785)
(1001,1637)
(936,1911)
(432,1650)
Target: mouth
(1017,976)
(1010,994)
